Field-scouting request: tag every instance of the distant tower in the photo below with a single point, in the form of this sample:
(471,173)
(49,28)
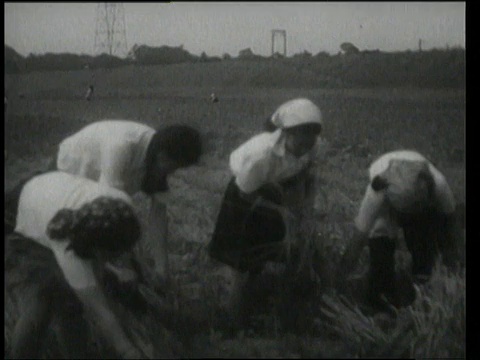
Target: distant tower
(110,32)
(283,34)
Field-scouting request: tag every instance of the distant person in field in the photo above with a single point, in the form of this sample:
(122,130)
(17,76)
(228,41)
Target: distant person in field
(213,98)
(270,171)
(89,94)
(83,227)
(406,192)
(133,157)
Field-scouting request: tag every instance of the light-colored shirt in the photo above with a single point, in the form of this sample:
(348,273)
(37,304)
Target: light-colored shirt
(111,152)
(374,202)
(263,159)
(41,198)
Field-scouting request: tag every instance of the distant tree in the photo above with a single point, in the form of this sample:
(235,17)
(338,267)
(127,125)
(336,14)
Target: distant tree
(13,61)
(376,51)
(56,61)
(348,48)
(303,55)
(106,61)
(204,57)
(132,53)
(277,55)
(147,55)
(226,56)
(246,53)
(322,54)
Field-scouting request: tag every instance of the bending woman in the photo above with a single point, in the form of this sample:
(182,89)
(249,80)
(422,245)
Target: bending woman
(135,158)
(84,225)
(406,192)
(270,172)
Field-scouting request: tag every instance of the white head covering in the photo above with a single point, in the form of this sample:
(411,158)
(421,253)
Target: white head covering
(297,112)
(406,190)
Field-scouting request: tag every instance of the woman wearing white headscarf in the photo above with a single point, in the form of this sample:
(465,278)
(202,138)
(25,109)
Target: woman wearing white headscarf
(408,193)
(270,172)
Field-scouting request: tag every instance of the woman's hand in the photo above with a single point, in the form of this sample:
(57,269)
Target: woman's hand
(156,236)
(132,353)
(350,257)
(97,306)
(124,275)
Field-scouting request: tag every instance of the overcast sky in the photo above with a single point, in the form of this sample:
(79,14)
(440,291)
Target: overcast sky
(219,28)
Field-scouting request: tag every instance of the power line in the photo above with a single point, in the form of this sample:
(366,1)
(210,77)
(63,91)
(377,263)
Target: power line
(282,34)
(110,30)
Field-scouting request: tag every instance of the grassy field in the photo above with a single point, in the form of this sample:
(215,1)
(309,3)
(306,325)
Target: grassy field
(360,124)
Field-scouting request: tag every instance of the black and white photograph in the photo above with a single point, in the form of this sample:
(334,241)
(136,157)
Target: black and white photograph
(234,180)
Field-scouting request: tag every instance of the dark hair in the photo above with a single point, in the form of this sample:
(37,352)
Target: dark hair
(427,176)
(105,224)
(307,127)
(378,183)
(268,125)
(180,143)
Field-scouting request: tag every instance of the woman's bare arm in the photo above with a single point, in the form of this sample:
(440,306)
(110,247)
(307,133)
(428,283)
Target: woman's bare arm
(157,236)
(99,310)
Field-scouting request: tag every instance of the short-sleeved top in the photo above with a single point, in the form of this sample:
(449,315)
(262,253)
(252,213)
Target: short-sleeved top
(41,198)
(263,160)
(111,152)
(374,201)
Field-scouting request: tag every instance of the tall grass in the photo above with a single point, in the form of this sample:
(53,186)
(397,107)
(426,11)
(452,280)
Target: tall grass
(432,327)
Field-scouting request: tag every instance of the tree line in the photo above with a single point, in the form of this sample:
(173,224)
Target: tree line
(349,67)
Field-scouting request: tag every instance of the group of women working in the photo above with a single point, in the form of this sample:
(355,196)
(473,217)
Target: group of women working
(82,213)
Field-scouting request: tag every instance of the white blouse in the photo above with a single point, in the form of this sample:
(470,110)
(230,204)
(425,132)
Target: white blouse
(111,152)
(41,198)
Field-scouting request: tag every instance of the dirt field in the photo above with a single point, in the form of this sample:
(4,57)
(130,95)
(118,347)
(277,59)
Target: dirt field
(359,126)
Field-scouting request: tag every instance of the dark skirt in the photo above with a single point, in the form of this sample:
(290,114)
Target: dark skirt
(430,234)
(243,230)
(32,274)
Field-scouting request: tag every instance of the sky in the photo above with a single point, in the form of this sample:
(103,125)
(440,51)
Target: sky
(228,27)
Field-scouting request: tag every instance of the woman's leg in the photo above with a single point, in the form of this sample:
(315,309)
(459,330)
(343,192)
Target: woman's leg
(381,279)
(381,275)
(236,297)
(427,236)
(73,328)
(30,330)
(226,242)
(450,239)
(242,297)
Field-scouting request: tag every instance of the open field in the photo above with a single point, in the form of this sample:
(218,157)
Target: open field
(360,125)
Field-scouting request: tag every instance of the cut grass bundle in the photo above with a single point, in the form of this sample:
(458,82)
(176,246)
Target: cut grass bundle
(432,327)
